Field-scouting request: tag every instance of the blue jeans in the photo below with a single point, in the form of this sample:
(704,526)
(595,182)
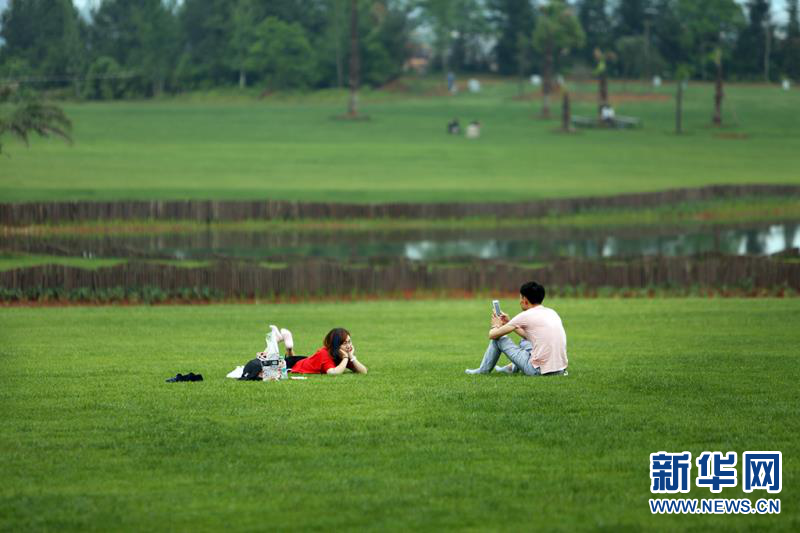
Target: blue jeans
(519,354)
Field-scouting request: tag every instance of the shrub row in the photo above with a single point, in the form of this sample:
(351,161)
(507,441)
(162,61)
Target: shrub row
(154,295)
(146,295)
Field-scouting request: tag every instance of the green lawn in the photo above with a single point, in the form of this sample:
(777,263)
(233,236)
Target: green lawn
(93,439)
(290,148)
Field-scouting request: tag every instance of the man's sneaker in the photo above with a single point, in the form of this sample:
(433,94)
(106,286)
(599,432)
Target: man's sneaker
(474,371)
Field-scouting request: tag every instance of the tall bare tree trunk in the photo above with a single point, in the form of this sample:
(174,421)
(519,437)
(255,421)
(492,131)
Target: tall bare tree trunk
(566,114)
(547,80)
(242,79)
(602,91)
(717,119)
(355,60)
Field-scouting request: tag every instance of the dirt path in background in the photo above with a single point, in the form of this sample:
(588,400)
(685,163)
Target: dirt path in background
(616,98)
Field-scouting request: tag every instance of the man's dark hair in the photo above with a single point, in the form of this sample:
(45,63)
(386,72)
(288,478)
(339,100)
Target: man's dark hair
(533,292)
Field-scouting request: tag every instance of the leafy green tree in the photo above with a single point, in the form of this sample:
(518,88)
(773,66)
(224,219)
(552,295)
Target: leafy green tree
(511,18)
(158,37)
(243,34)
(206,27)
(793,16)
(45,35)
(310,14)
(381,41)
(706,26)
(523,60)
(753,50)
(557,31)
(15,68)
(354,77)
(30,115)
(668,40)
(384,45)
(790,47)
(140,36)
(635,60)
(105,80)
(313,16)
(440,14)
(331,47)
(458,28)
(707,37)
(472,31)
(629,17)
(593,16)
(281,55)
(634,29)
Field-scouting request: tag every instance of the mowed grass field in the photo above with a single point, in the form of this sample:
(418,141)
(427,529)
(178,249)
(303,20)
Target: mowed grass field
(289,147)
(94,439)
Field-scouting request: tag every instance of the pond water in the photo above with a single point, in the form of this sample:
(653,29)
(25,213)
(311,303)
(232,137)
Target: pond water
(529,244)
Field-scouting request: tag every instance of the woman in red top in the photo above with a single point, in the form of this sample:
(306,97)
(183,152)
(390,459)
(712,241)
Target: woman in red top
(333,358)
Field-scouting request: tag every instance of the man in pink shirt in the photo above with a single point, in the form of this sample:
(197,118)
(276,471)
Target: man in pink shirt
(543,350)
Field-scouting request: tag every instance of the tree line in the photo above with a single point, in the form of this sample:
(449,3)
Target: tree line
(145,48)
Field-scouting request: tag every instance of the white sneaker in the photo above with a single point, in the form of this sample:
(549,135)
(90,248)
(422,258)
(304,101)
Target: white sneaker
(276,334)
(286,336)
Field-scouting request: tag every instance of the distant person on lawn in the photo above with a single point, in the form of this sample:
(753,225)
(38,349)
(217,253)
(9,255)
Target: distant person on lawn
(454,127)
(543,349)
(474,130)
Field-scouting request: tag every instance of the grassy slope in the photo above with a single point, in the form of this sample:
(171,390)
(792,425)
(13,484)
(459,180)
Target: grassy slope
(12,260)
(688,214)
(93,438)
(293,150)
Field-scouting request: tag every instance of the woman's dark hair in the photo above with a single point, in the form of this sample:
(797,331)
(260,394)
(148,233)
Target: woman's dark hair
(334,340)
(533,292)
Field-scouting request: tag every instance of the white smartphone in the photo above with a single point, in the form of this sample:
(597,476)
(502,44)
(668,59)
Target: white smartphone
(496,305)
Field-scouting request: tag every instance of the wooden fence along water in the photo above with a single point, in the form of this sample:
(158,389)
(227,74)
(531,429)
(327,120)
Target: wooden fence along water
(23,214)
(288,245)
(320,278)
